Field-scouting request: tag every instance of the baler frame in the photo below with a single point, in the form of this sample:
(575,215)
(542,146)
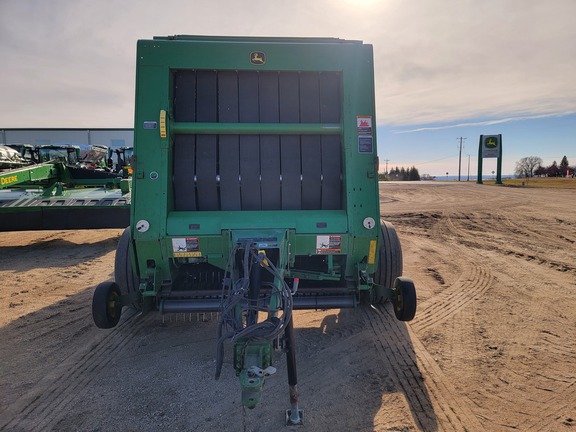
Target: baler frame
(255,144)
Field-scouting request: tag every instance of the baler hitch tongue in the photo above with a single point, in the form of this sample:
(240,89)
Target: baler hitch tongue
(252,382)
(243,303)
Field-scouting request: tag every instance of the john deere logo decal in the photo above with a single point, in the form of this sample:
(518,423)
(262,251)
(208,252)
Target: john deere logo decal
(491,142)
(257,58)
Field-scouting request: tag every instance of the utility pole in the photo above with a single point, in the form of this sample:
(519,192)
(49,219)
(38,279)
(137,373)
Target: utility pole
(386,172)
(468,168)
(460,157)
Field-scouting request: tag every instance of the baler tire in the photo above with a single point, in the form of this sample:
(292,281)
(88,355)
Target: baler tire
(106,309)
(123,274)
(389,261)
(405,300)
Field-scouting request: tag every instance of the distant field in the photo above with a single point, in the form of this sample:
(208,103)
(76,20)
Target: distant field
(556,183)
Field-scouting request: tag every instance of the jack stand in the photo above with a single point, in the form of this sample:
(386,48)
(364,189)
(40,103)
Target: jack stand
(294,416)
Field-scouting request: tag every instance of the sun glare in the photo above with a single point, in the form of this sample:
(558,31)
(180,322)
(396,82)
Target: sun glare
(364,4)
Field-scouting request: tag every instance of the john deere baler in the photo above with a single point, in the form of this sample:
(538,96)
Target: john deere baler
(255,191)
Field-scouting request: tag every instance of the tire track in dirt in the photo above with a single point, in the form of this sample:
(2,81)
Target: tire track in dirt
(537,411)
(513,370)
(435,403)
(552,394)
(519,229)
(461,343)
(459,346)
(51,326)
(464,338)
(471,286)
(428,197)
(560,414)
(49,400)
(543,228)
(526,383)
(530,245)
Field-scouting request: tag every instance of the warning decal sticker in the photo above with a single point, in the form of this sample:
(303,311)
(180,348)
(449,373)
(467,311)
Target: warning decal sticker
(186,247)
(328,244)
(364,125)
(364,130)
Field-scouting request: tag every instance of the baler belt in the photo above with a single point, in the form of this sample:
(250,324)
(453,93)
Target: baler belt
(257,170)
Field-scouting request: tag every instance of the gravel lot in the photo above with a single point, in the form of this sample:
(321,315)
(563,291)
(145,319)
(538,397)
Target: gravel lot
(492,347)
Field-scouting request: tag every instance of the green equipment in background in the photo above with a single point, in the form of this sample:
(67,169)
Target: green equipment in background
(54,191)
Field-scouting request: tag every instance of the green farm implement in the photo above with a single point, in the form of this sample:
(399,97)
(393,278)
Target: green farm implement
(255,193)
(59,195)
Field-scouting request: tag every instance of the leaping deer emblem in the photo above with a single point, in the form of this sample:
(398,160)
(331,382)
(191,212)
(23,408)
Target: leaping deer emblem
(257,58)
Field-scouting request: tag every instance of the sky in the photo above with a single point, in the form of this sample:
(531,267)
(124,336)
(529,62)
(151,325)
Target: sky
(444,69)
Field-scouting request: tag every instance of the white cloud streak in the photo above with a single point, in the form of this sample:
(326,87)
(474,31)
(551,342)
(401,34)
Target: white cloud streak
(478,123)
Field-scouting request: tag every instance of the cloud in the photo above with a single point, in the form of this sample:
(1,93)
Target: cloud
(452,60)
(446,61)
(479,123)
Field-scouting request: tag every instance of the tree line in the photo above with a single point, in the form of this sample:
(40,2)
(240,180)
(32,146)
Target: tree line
(401,174)
(531,166)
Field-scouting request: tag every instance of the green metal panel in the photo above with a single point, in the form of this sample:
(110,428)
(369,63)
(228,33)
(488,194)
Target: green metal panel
(160,60)
(207,223)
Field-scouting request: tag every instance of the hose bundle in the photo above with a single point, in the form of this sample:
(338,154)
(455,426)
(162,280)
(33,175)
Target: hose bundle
(237,304)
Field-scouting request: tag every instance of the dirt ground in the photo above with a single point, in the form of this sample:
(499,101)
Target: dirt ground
(492,347)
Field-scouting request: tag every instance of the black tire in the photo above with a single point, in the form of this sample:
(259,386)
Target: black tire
(106,308)
(123,274)
(389,261)
(405,300)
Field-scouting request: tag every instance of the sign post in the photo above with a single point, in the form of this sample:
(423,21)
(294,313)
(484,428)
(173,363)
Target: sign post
(490,146)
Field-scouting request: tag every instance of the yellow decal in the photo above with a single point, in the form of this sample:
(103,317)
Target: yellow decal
(372,253)
(257,58)
(162,123)
(187,254)
(9,180)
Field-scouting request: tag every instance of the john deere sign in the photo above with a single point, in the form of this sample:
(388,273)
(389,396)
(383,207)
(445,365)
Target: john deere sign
(490,147)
